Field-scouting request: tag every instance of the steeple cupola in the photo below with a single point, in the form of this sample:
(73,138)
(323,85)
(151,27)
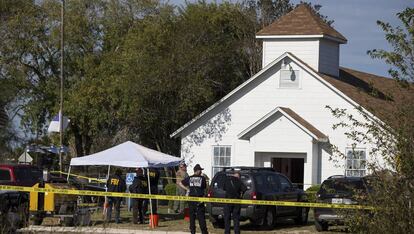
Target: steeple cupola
(303,33)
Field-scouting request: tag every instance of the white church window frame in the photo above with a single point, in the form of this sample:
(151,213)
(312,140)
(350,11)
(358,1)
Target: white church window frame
(289,79)
(355,162)
(221,158)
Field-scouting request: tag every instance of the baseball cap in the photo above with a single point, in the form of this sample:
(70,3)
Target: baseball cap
(198,167)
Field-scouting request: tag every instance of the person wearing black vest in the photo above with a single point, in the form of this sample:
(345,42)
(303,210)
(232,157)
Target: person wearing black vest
(117,184)
(139,185)
(154,176)
(234,188)
(195,186)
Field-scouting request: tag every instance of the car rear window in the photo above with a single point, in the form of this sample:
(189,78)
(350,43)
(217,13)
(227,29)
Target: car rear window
(28,174)
(341,186)
(267,182)
(247,180)
(219,181)
(221,178)
(4,175)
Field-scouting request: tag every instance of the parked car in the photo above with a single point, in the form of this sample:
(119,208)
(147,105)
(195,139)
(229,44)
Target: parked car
(262,184)
(14,205)
(337,190)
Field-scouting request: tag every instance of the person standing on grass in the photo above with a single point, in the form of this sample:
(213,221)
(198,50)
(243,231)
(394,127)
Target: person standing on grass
(180,175)
(195,186)
(116,184)
(154,176)
(139,185)
(234,188)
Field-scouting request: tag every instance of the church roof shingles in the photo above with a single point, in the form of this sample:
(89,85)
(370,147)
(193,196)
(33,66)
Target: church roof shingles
(301,21)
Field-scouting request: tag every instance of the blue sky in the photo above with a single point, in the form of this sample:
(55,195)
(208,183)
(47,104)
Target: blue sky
(356,20)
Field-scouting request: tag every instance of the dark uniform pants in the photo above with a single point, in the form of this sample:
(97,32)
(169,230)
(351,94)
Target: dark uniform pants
(197,209)
(154,190)
(116,202)
(231,210)
(138,210)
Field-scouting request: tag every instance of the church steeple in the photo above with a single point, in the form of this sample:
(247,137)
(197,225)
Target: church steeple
(303,33)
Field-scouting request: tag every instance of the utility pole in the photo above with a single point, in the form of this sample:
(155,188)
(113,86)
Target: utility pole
(62,55)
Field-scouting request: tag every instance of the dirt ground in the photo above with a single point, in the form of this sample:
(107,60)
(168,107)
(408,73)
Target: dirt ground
(173,222)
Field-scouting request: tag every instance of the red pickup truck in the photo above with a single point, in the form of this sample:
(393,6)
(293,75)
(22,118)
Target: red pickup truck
(20,175)
(14,205)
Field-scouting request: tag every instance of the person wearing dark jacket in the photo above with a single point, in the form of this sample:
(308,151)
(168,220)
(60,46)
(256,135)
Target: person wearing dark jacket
(139,185)
(154,176)
(195,186)
(117,184)
(234,188)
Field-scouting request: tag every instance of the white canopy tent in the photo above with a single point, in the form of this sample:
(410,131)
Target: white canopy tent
(127,154)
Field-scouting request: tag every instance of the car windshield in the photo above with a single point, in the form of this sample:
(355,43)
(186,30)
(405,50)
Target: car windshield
(28,174)
(341,186)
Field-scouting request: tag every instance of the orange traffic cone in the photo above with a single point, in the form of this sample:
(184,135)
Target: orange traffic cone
(153,223)
(187,214)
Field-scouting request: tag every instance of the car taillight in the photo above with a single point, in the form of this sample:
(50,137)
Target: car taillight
(210,193)
(253,196)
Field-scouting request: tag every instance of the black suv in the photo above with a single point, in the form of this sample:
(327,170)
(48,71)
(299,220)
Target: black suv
(262,184)
(337,190)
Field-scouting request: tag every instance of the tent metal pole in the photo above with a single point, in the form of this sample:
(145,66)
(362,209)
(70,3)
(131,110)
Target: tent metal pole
(149,192)
(68,174)
(106,190)
(109,169)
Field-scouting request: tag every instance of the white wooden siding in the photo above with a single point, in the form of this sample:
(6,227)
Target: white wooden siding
(329,57)
(258,99)
(307,49)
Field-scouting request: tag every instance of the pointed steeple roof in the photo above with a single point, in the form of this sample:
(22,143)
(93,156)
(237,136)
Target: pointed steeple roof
(302,21)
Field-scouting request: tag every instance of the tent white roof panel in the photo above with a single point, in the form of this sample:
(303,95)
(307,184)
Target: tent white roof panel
(127,154)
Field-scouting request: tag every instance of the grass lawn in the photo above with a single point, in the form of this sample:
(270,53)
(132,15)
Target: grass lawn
(175,222)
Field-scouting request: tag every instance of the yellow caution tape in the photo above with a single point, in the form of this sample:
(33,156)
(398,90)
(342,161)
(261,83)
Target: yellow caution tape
(104,180)
(181,198)
(88,204)
(80,176)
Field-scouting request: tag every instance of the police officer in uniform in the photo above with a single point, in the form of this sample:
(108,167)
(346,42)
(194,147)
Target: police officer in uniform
(154,176)
(117,184)
(139,185)
(195,186)
(234,188)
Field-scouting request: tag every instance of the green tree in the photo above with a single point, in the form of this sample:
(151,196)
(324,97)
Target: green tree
(134,70)
(392,137)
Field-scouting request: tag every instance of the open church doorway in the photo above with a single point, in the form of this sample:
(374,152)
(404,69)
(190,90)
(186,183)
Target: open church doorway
(291,167)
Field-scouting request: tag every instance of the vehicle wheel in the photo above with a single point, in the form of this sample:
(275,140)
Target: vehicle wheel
(82,219)
(270,218)
(257,222)
(302,217)
(68,221)
(321,226)
(217,223)
(35,220)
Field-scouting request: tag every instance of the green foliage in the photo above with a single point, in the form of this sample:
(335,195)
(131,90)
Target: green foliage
(311,192)
(170,189)
(401,40)
(134,70)
(391,140)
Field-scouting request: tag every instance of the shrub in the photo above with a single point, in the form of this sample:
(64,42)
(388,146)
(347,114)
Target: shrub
(311,192)
(170,190)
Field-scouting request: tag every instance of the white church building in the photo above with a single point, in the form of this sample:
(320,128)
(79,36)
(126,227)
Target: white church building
(279,117)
